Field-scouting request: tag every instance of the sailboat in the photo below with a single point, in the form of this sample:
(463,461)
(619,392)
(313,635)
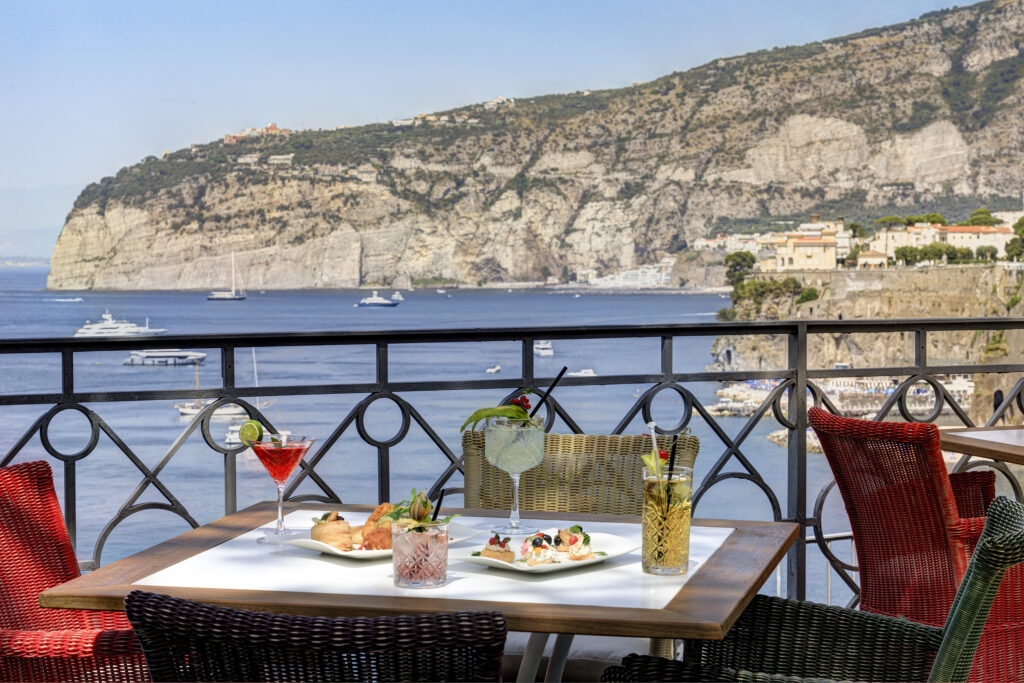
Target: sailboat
(228,411)
(237,293)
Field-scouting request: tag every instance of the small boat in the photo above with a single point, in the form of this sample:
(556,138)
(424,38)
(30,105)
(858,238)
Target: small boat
(108,327)
(397,296)
(164,357)
(237,293)
(494,369)
(442,291)
(228,411)
(576,296)
(584,372)
(543,348)
(377,301)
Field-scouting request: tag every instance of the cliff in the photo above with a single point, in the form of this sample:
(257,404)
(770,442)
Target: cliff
(919,114)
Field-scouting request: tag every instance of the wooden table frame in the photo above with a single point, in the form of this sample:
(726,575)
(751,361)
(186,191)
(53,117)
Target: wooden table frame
(705,607)
(966,441)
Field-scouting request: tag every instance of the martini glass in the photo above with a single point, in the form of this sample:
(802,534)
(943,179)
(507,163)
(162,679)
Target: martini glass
(280,454)
(514,446)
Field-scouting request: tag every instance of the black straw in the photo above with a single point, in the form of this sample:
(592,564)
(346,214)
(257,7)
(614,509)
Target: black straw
(672,455)
(437,506)
(548,392)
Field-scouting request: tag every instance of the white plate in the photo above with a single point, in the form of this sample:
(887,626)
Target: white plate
(610,544)
(456,532)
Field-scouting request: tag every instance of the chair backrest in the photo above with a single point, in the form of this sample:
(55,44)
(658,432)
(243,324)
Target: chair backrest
(191,641)
(897,494)
(35,549)
(587,473)
(1000,547)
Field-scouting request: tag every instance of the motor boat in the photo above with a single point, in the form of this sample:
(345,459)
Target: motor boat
(543,348)
(584,372)
(494,369)
(228,411)
(164,357)
(376,300)
(397,296)
(108,327)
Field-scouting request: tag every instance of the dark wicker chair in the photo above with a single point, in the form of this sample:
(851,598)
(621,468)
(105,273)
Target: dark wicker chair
(191,641)
(784,640)
(915,526)
(39,644)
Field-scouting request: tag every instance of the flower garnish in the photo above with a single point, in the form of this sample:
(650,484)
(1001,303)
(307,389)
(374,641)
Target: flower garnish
(416,511)
(517,409)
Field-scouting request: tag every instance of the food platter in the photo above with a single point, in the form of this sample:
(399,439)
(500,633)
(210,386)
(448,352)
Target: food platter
(609,544)
(300,539)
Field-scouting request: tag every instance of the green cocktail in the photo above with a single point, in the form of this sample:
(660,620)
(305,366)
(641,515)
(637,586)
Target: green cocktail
(514,446)
(665,525)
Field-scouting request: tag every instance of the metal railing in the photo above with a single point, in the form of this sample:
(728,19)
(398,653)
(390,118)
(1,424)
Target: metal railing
(795,382)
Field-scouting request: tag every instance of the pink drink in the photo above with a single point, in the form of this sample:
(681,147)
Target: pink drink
(280,459)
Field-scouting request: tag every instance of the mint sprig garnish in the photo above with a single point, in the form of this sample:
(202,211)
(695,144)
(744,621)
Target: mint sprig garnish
(510,412)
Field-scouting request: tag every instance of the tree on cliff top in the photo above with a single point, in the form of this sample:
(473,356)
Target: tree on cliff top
(982,216)
(890,221)
(1018,227)
(738,265)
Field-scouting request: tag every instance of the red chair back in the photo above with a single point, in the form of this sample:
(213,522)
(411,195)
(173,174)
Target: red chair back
(35,550)
(897,494)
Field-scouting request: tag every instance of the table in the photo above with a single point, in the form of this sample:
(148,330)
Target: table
(738,556)
(1004,443)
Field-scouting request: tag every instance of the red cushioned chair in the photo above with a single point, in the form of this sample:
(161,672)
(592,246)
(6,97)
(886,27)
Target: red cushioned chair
(915,526)
(39,644)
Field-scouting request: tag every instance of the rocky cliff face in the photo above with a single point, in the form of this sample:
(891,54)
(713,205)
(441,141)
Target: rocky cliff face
(603,180)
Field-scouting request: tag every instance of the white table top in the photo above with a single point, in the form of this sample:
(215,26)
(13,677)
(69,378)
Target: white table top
(244,564)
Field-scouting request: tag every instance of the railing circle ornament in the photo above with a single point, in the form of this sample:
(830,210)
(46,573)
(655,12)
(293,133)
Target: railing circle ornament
(361,420)
(684,394)
(901,401)
(94,432)
(207,416)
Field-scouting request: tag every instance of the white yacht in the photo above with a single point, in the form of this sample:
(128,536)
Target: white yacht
(584,372)
(543,348)
(164,357)
(376,300)
(228,411)
(108,327)
(494,369)
(237,292)
(397,296)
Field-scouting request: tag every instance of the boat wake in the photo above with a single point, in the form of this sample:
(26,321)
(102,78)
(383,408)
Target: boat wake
(67,301)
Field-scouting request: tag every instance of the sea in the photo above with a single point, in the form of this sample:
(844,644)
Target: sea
(194,475)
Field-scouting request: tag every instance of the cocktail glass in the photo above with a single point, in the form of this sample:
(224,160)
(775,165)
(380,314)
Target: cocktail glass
(280,454)
(419,554)
(665,525)
(514,446)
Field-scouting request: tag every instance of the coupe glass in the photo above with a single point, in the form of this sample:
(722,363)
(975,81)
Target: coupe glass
(280,453)
(514,446)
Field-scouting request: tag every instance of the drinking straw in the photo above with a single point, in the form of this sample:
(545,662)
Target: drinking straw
(548,392)
(672,455)
(437,506)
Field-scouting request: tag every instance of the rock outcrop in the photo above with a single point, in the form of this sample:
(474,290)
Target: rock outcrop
(553,184)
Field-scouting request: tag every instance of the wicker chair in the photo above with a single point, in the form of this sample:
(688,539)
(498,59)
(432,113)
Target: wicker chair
(915,526)
(587,473)
(191,641)
(785,640)
(39,644)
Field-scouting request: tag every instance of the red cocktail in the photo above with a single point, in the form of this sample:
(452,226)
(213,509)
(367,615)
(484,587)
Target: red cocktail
(280,454)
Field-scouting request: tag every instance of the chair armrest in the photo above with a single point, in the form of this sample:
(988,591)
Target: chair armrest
(973,491)
(647,668)
(74,643)
(779,636)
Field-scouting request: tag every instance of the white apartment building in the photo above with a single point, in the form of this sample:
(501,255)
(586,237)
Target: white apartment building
(918,235)
(656,275)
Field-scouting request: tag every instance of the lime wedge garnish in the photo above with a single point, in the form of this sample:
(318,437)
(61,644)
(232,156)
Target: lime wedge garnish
(250,431)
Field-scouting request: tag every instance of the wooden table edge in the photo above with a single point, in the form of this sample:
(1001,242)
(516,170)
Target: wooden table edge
(960,440)
(97,591)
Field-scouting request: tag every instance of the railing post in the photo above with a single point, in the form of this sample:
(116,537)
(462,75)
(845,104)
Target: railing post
(796,502)
(666,357)
(67,388)
(227,375)
(383,452)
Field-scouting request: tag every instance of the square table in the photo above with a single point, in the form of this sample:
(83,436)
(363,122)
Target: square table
(221,563)
(1005,443)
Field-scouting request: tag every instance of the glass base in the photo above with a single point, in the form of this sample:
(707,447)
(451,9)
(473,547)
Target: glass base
(272,534)
(509,530)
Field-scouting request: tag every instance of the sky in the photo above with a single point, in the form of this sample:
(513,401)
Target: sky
(90,87)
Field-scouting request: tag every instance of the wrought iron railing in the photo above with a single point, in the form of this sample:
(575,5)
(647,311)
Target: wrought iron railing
(794,382)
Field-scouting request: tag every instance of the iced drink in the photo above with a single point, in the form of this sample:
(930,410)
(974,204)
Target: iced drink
(420,554)
(665,526)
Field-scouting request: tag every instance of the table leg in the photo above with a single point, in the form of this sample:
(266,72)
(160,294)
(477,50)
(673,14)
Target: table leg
(559,653)
(531,657)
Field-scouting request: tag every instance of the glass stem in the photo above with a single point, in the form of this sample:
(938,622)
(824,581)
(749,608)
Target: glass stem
(513,520)
(280,507)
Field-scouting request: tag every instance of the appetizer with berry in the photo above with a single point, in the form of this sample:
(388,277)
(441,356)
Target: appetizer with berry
(499,548)
(574,542)
(537,549)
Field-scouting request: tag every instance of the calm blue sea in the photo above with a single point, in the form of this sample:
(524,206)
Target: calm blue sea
(106,478)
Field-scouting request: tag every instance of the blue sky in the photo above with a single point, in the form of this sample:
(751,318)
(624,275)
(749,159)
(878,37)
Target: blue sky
(89,87)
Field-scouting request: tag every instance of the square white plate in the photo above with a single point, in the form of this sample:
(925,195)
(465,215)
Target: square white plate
(456,532)
(610,544)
